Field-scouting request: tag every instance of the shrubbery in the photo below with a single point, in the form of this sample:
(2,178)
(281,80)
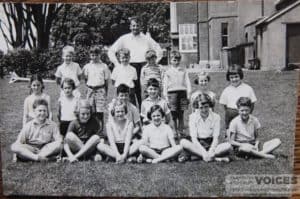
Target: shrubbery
(26,62)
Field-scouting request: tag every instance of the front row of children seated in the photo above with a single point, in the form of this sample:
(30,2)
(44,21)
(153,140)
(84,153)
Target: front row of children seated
(40,139)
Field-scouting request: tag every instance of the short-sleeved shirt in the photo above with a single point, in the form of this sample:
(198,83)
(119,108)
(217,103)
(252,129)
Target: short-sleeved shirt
(158,137)
(71,71)
(96,73)
(148,103)
(67,108)
(132,115)
(244,132)
(124,75)
(85,130)
(207,128)
(231,94)
(38,135)
(28,103)
(118,132)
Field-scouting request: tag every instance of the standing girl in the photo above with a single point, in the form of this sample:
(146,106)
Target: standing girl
(67,105)
(36,91)
(233,92)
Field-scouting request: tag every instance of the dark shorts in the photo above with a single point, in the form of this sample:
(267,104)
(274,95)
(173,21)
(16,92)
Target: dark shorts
(178,100)
(206,142)
(63,127)
(239,153)
(120,147)
(229,115)
(159,151)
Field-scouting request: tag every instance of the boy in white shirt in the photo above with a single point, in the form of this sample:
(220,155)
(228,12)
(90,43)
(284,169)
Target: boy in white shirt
(126,74)
(69,69)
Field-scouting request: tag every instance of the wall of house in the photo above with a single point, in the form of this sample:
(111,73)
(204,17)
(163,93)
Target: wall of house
(186,12)
(273,44)
(215,41)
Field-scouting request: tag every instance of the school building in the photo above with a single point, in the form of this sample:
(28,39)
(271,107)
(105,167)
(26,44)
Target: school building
(257,34)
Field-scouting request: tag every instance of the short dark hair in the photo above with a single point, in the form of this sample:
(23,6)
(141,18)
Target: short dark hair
(233,70)
(204,98)
(122,88)
(95,50)
(118,103)
(149,54)
(68,81)
(153,109)
(39,102)
(175,54)
(153,82)
(244,101)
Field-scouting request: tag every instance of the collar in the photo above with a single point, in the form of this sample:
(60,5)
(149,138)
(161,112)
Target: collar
(47,122)
(150,100)
(209,118)
(250,120)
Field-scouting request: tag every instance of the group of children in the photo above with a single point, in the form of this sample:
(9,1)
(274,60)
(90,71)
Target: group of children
(154,134)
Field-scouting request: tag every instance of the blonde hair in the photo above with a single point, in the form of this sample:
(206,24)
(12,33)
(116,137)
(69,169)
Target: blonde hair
(68,50)
(83,103)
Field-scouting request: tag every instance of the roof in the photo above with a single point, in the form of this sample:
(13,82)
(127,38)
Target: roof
(269,19)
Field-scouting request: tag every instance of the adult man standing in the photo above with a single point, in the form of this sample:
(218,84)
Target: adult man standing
(138,43)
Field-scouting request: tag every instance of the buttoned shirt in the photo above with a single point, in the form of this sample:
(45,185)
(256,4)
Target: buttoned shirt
(96,74)
(158,137)
(71,71)
(204,128)
(244,131)
(138,45)
(231,94)
(124,74)
(37,134)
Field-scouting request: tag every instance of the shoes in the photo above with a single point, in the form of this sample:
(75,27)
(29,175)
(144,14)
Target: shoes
(140,159)
(131,159)
(97,158)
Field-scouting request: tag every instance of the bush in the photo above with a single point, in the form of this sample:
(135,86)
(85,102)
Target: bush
(26,62)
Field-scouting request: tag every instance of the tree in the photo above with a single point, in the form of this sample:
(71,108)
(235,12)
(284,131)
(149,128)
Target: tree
(104,23)
(28,24)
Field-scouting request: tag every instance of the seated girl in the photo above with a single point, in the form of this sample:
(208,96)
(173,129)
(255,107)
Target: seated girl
(158,138)
(119,132)
(204,127)
(83,134)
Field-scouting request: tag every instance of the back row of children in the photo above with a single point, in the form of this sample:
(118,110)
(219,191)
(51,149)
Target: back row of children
(83,133)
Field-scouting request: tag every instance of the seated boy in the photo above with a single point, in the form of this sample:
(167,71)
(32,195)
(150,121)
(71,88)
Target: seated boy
(244,130)
(40,138)
(83,134)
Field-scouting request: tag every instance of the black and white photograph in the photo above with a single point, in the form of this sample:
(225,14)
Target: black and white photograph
(170,99)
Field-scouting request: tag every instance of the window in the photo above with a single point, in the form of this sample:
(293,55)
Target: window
(187,38)
(224,34)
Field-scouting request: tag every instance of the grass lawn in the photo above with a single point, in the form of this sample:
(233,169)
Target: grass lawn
(276,107)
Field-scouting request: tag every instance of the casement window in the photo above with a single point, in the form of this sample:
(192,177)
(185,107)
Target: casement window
(224,34)
(187,38)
